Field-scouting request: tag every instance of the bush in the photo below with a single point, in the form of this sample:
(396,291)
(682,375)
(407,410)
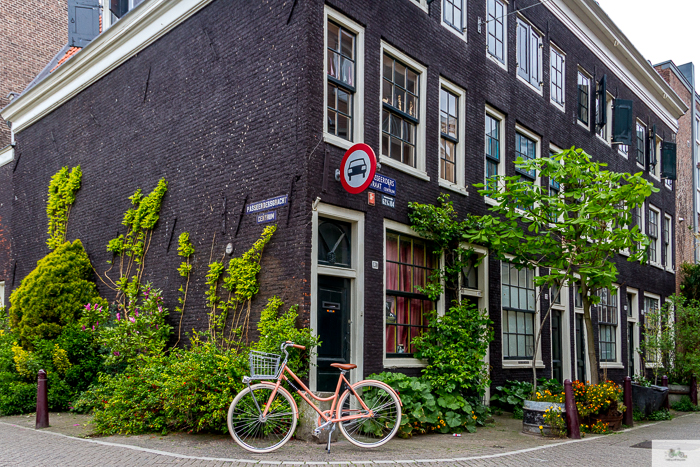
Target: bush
(513,394)
(52,295)
(662,414)
(685,405)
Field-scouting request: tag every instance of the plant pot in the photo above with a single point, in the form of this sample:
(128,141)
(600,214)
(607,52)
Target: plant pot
(648,400)
(614,421)
(676,392)
(533,417)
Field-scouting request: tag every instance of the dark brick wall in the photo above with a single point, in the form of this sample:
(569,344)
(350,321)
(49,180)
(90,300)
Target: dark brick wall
(5,237)
(244,117)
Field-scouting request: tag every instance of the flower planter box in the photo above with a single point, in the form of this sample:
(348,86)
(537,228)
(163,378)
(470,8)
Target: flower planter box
(614,421)
(676,392)
(648,400)
(533,417)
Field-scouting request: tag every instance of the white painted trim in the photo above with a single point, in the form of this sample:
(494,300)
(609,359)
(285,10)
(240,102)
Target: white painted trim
(538,148)
(655,173)
(492,112)
(659,236)
(587,376)
(504,63)
(128,36)
(540,72)
(356,274)
(7,155)
(462,35)
(591,111)
(553,48)
(669,264)
(460,153)
(566,363)
(358,117)
(582,18)
(634,319)
(420,169)
(2,294)
(422,4)
(618,333)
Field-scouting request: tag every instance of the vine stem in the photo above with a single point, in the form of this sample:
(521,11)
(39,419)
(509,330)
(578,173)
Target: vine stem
(184,301)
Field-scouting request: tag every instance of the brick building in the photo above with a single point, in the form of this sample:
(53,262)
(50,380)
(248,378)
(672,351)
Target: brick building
(31,32)
(682,80)
(239,105)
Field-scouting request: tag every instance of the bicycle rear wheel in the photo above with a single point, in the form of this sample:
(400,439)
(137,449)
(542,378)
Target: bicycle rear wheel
(253,432)
(372,431)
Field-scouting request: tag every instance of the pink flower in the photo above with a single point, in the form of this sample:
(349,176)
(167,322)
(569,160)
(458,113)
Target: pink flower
(83,327)
(93,327)
(87,307)
(117,316)
(97,323)
(156,327)
(160,309)
(116,353)
(132,319)
(137,313)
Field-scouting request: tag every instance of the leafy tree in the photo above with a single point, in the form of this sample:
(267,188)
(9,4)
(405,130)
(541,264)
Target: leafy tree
(572,235)
(687,335)
(690,284)
(659,344)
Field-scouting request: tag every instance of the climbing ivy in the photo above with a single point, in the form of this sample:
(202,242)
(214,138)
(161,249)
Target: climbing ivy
(62,190)
(185,248)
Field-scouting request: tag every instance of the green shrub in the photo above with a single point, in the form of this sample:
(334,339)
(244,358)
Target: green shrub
(685,405)
(52,295)
(662,414)
(513,394)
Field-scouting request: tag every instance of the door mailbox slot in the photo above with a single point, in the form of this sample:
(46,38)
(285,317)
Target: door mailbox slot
(331,307)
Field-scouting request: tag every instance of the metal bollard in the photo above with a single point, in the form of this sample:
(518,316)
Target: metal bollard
(572,423)
(42,402)
(694,391)
(664,383)
(628,419)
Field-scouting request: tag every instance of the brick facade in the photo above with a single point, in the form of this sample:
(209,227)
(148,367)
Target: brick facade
(233,111)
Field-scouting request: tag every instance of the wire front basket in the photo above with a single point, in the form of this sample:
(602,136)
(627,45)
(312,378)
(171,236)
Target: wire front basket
(264,365)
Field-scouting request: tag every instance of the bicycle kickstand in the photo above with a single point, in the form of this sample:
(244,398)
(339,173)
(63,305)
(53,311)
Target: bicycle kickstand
(330,433)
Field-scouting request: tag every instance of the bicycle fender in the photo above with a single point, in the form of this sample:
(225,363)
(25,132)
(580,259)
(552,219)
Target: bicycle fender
(296,407)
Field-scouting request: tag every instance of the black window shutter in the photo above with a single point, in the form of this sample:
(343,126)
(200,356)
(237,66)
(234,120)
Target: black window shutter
(119,7)
(623,122)
(83,22)
(652,147)
(603,94)
(668,161)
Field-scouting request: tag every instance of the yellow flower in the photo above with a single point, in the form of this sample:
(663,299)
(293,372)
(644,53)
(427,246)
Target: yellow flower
(540,427)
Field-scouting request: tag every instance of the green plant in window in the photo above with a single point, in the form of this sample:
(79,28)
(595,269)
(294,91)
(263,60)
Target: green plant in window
(62,189)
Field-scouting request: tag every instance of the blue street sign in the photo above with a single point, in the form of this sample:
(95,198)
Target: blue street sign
(258,206)
(388,201)
(266,217)
(384,184)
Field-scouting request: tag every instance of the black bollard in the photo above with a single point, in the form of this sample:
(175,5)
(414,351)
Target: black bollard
(664,383)
(694,391)
(572,424)
(42,402)
(628,419)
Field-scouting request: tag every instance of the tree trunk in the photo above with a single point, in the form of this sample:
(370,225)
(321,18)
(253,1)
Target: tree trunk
(590,338)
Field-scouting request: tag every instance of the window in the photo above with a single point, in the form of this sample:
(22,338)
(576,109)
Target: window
(557,76)
(493,147)
(403,91)
(518,302)
(334,243)
(409,263)
(604,105)
(525,149)
(584,98)
(668,244)
(641,150)
(344,88)
(529,58)
(554,186)
(496,30)
(451,136)
(118,8)
(578,296)
(654,154)
(651,304)
(607,325)
(454,15)
(474,279)
(623,149)
(653,234)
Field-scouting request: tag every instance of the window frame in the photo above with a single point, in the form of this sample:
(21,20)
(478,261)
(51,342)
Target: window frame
(500,168)
(422,4)
(409,362)
(637,151)
(504,22)
(617,362)
(650,296)
(531,31)
(583,74)
(461,33)
(358,117)
(668,247)
(655,241)
(420,156)
(460,154)
(608,126)
(554,50)
(655,170)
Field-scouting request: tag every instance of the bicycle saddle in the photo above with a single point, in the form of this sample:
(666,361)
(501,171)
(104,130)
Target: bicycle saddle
(344,366)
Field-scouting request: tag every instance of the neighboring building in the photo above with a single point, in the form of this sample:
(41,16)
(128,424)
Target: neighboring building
(31,32)
(682,80)
(234,105)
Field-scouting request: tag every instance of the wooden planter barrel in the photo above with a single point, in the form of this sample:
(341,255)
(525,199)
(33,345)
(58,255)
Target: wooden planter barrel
(533,417)
(614,421)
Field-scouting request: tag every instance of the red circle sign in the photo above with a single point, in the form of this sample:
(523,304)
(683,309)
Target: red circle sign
(357,168)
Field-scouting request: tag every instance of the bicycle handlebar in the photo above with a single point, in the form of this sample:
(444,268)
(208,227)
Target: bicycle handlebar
(292,344)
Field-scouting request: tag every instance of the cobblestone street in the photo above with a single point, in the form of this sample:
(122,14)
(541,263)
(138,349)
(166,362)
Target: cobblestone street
(493,446)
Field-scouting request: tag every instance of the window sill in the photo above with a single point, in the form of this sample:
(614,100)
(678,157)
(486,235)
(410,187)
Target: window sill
(617,365)
(529,85)
(655,177)
(393,363)
(404,168)
(490,201)
(497,61)
(506,364)
(625,253)
(420,5)
(622,154)
(603,140)
(453,187)
(670,188)
(454,31)
(337,141)
(337,271)
(639,165)
(558,106)
(7,155)
(671,270)
(583,125)
(656,265)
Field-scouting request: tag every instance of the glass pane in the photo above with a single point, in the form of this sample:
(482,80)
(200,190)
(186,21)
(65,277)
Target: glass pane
(347,71)
(396,149)
(331,122)
(392,251)
(392,276)
(343,127)
(400,74)
(523,299)
(504,274)
(529,318)
(531,300)
(512,346)
(387,68)
(385,122)
(386,92)
(343,101)
(452,127)
(411,81)
(331,96)
(513,275)
(395,125)
(410,132)
(402,310)
(408,155)
(333,64)
(347,41)
(385,145)
(453,105)
(449,151)
(391,339)
(333,32)
(418,253)
(399,99)
(512,322)
(521,346)
(514,297)
(505,296)
(411,106)
(522,278)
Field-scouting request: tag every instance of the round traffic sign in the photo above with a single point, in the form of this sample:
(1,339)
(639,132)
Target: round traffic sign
(357,168)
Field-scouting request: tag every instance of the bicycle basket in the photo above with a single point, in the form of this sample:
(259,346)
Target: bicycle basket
(264,365)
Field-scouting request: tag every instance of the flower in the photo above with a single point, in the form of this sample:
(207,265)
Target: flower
(540,427)
(117,316)
(87,307)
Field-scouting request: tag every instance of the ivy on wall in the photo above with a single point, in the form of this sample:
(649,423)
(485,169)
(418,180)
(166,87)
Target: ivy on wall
(185,248)
(62,189)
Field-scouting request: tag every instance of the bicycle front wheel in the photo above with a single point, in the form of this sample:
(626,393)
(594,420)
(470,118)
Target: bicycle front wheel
(370,432)
(254,432)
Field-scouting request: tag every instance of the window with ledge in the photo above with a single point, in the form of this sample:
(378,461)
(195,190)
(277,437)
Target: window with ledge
(334,243)
(409,263)
(118,8)
(651,305)
(529,54)
(519,311)
(653,234)
(496,30)
(640,140)
(668,243)
(623,149)
(607,325)
(454,15)
(493,146)
(584,99)
(654,154)
(451,135)
(604,105)
(525,149)
(557,75)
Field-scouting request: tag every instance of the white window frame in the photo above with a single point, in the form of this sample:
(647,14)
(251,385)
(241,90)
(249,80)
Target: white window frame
(634,318)
(508,364)
(553,49)
(538,153)
(7,155)
(420,170)
(495,114)
(618,333)
(358,117)
(531,30)
(656,297)
(655,170)
(2,294)
(503,64)
(591,111)
(668,252)
(463,33)
(659,227)
(566,367)
(422,4)
(638,124)
(460,156)
(410,362)
(609,116)
(355,274)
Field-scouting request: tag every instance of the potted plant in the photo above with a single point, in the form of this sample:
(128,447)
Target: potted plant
(540,413)
(600,402)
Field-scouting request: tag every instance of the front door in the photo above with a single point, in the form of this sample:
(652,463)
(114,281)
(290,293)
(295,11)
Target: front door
(333,323)
(556,346)
(580,349)
(630,349)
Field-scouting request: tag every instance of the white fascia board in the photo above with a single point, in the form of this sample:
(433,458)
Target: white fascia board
(7,154)
(591,25)
(135,31)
